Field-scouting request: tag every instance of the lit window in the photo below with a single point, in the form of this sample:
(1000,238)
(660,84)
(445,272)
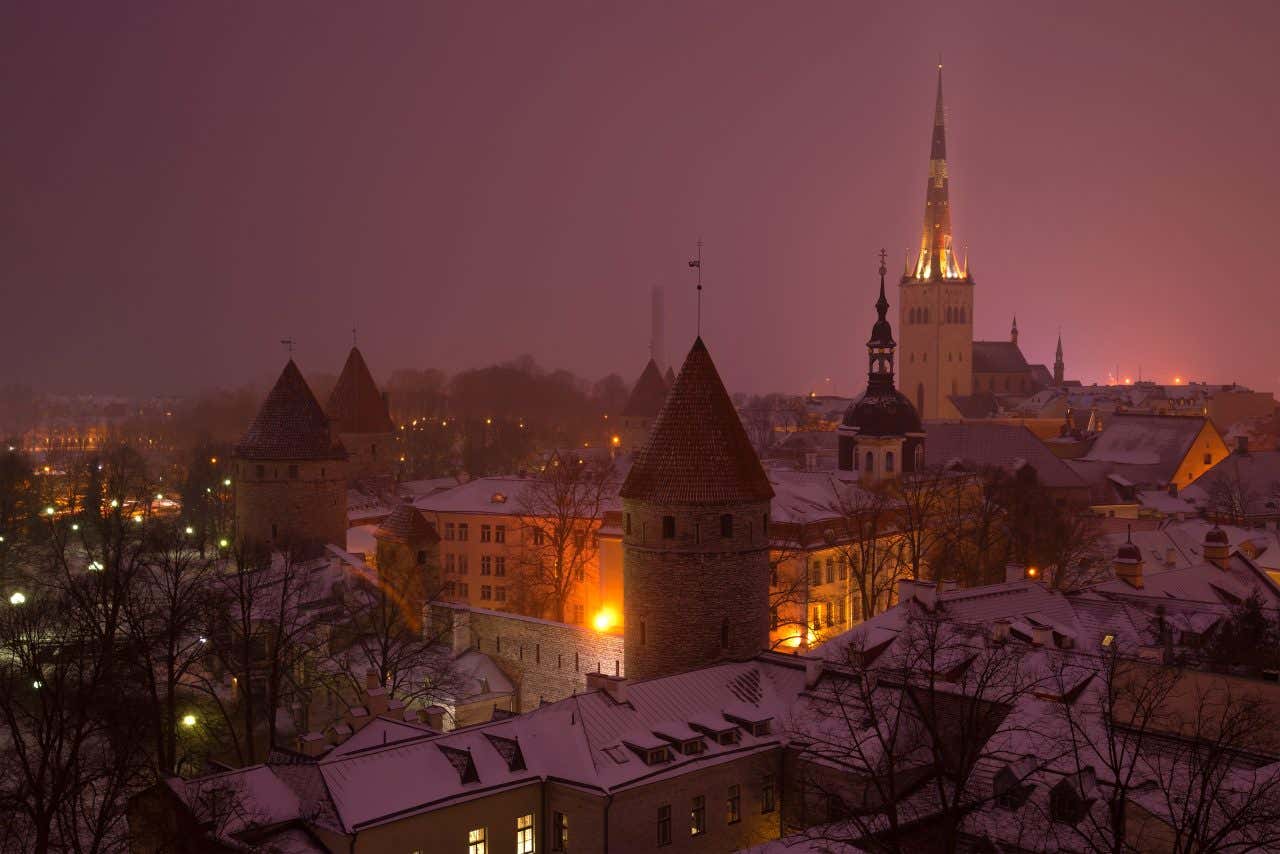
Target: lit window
(500,566)
(559,832)
(486,592)
(831,570)
(486,565)
(524,835)
(499,533)
(476,842)
(698,816)
(486,533)
(462,531)
(499,594)
(448,530)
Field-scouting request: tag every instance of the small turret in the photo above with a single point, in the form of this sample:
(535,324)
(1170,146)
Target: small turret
(1128,563)
(1216,547)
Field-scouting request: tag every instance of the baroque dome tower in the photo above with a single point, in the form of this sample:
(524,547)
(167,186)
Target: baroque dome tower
(881,434)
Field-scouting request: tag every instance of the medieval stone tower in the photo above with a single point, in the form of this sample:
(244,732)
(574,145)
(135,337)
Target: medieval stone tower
(643,406)
(291,485)
(408,559)
(362,421)
(695,533)
(936,306)
(881,435)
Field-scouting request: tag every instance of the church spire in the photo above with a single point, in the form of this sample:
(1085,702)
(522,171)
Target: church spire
(1058,368)
(937,258)
(881,346)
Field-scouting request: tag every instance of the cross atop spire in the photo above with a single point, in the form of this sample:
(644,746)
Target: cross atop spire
(937,258)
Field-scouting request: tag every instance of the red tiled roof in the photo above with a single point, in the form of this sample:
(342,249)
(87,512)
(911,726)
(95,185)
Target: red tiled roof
(698,452)
(649,394)
(406,524)
(356,405)
(290,425)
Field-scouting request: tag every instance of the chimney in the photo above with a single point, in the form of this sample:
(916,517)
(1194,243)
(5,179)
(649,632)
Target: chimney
(1216,547)
(1242,446)
(999,630)
(812,671)
(1015,572)
(376,700)
(614,686)
(1173,490)
(1127,564)
(433,716)
(312,743)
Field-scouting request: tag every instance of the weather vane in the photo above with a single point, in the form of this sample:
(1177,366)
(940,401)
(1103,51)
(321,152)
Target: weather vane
(696,263)
(883,268)
(353,335)
(288,345)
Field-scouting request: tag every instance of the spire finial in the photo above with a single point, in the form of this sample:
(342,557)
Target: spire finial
(697,264)
(288,345)
(882,304)
(353,335)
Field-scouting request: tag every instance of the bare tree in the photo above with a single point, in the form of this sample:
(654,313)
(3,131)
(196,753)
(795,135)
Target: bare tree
(870,540)
(560,511)
(922,496)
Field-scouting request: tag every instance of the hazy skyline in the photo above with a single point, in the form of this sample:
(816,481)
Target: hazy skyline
(186,184)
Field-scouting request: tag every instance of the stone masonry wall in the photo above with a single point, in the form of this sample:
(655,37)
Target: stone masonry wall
(548,661)
(305,501)
(697,597)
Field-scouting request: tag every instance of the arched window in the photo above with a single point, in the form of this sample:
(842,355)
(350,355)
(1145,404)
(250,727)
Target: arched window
(888,461)
(870,463)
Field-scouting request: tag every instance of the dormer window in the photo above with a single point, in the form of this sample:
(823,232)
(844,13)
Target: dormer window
(498,498)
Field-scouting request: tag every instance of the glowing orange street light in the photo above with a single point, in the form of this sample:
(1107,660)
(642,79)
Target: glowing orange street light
(616,441)
(1032,572)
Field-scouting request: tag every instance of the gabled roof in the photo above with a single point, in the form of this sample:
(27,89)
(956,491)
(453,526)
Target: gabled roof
(406,525)
(1147,449)
(998,357)
(356,405)
(698,451)
(991,443)
(290,425)
(649,393)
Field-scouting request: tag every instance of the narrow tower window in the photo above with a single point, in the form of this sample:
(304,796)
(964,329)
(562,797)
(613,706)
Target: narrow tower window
(726,525)
(869,466)
(724,634)
(668,527)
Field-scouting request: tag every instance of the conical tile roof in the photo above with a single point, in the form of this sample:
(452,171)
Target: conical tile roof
(406,525)
(356,405)
(649,394)
(698,451)
(290,425)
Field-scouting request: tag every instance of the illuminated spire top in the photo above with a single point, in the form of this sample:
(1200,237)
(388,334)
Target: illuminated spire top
(937,259)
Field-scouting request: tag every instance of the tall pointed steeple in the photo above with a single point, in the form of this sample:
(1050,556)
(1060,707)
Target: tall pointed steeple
(1059,369)
(937,259)
(1013,330)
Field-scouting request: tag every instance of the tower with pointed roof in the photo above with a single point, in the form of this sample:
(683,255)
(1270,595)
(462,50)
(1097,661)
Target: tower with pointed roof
(643,406)
(290,481)
(407,558)
(362,421)
(936,297)
(1059,369)
(881,435)
(695,533)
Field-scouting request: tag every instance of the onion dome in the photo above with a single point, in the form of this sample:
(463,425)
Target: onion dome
(697,451)
(290,425)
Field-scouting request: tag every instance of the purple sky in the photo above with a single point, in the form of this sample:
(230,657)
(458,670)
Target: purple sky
(183,184)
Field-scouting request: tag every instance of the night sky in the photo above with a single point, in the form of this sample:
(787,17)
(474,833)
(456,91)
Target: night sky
(184,184)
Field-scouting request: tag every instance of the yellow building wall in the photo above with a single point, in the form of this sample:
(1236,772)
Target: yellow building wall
(1206,451)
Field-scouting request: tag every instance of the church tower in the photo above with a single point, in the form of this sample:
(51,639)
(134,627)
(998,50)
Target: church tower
(936,306)
(881,435)
(362,421)
(695,539)
(1059,369)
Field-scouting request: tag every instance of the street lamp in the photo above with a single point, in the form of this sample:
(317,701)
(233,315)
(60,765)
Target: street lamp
(188,721)
(17,598)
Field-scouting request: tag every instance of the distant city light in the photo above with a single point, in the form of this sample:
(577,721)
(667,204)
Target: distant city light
(75,526)
(190,530)
(159,497)
(49,511)
(615,441)
(226,482)
(37,684)
(114,502)
(222,544)
(17,598)
(213,461)
(138,518)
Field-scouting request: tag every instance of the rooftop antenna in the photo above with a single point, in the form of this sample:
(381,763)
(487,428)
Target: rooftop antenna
(696,263)
(288,345)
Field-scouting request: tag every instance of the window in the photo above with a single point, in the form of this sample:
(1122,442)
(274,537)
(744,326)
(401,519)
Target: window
(840,615)
(448,530)
(1208,459)
(817,618)
(831,570)
(578,614)
(698,815)
(463,589)
(831,615)
(524,834)
(734,805)
(462,564)
(422,556)
(668,527)
(815,572)
(869,463)
(500,566)
(724,634)
(486,534)
(726,525)
(768,796)
(476,842)
(499,594)
(888,461)
(499,533)
(486,565)
(486,592)
(537,536)
(462,531)
(664,824)
(449,563)
(559,832)
(451,588)
(843,563)
(628,524)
